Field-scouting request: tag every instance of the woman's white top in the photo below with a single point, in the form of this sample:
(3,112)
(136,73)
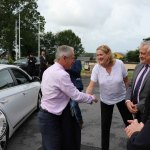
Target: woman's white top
(112,87)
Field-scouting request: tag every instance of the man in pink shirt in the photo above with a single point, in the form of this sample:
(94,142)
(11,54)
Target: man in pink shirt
(55,120)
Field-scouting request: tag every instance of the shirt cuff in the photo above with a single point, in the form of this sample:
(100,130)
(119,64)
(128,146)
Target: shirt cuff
(127,101)
(91,98)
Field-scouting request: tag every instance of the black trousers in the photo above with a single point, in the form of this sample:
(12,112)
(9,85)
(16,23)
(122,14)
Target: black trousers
(41,72)
(59,132)
(106,119)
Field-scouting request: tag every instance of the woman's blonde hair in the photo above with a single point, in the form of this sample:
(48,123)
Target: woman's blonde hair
(107,51)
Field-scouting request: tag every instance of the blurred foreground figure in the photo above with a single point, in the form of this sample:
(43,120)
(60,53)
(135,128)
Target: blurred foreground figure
(139,135)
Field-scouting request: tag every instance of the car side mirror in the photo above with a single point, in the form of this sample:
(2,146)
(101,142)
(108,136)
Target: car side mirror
(35,78)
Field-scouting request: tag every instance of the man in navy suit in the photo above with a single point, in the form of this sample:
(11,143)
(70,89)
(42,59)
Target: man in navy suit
(138,99)
(75,75)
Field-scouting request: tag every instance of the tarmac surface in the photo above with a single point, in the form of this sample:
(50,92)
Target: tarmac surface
(28,137)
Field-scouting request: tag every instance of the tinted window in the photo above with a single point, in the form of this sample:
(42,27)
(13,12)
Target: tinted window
(20,76)
(5,79)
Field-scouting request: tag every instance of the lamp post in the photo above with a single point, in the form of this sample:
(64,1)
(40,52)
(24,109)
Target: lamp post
(38,36)
(16,45)
(17,27)
(39,39)
(18,10)
(19,37)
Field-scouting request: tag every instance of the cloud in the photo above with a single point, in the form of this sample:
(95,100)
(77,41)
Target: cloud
(121,24)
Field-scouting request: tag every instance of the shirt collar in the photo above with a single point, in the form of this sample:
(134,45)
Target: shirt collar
(59,65)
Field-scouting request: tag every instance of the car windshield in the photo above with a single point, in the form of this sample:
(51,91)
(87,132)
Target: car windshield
(22,60)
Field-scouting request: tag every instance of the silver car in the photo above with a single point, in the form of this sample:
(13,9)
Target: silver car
(19,97)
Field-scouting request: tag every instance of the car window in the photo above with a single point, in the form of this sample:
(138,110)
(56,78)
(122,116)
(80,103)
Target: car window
(6,80)
(23,61)
(21,77)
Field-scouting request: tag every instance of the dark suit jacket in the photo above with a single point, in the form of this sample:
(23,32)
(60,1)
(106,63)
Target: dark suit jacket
(140,140)
(144,93)
(43,63)
(75,74)
(31,68)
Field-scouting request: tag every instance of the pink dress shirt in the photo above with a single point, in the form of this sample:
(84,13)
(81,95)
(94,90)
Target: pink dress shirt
(57,89)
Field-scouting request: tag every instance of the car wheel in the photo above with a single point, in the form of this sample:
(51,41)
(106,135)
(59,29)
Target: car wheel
(39,101)
(3,143)
(4,131)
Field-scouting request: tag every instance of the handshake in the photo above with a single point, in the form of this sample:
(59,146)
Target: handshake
(89,92)
(94,98)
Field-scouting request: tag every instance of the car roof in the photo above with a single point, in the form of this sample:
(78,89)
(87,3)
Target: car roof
(24,60)
(3,66)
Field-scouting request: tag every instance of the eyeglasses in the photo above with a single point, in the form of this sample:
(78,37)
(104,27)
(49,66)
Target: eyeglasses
(69,57)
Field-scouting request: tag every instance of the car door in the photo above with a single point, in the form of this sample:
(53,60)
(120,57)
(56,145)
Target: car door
(16,98)
(29,90)
(11,98)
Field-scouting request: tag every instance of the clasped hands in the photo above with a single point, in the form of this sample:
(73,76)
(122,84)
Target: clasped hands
(131,107)
(95,98)
(133,127)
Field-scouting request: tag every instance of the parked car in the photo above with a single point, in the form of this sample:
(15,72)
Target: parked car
(22,63)
(20,96)
(3,61)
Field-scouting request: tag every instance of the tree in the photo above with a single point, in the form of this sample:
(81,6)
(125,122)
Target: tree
(68,37)
(133,56)
(48,43)
(7,24)
(9,12)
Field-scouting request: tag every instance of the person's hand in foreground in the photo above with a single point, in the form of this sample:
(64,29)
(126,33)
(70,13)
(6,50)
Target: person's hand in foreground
(133,127)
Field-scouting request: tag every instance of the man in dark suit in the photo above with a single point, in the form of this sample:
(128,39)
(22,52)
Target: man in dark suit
(139,135)
(43,63)
(31,68)
(139,87)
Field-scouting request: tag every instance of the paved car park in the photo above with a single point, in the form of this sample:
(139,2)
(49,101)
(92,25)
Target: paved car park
(28,137)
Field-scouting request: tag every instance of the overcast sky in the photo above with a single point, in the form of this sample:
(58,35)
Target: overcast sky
(121,24)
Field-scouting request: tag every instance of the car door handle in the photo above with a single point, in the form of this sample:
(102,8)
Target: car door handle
(24,93)
(4,101)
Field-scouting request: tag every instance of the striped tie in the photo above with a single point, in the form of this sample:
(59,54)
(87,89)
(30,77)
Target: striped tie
(138,84)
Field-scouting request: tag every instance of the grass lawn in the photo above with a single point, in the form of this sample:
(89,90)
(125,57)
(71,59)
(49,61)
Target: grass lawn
(130,73)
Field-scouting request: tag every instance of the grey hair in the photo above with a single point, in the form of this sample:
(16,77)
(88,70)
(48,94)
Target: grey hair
(146,43)
(63,50)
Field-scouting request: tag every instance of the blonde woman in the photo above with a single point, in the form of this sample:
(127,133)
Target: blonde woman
(111,76)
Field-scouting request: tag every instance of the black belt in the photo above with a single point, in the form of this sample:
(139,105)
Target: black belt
(44,110)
